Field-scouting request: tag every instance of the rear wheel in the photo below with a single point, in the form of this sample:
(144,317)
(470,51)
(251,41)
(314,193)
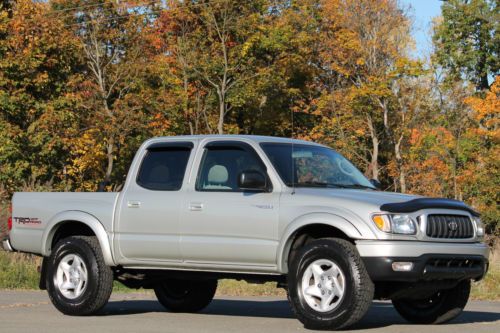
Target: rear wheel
(185,295)
(77,279)
(439,308)
(328,285)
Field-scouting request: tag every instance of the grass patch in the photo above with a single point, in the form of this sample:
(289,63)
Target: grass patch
(489,287)
(19,271)
(242,288)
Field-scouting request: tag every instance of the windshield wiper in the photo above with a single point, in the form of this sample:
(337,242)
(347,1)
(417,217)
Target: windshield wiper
(333,185)
(320,184)
(357,186)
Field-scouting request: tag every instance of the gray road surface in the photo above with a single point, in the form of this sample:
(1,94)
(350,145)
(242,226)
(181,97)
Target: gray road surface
(31,311)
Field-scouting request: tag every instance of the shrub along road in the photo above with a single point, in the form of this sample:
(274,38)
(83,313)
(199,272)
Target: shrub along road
(31,311)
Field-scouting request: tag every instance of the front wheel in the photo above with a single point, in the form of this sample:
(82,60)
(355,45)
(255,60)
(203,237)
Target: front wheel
(77,279)
(185,295)
(328,285)
(441,307)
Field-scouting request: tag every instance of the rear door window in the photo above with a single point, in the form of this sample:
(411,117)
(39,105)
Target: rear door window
(163,168)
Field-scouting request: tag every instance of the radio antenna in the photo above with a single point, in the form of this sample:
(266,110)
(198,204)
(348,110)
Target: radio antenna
(291,155)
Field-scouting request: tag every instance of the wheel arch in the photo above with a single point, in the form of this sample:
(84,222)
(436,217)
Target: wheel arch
(335,225)
(85,223)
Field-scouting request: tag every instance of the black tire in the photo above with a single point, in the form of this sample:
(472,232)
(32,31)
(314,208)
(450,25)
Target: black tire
(358,290)
(99,283)
(440,308)
(185,295)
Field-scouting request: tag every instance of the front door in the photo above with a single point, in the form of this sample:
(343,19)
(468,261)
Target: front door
(223,225)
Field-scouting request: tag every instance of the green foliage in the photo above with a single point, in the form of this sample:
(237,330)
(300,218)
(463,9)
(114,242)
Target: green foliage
(468,40)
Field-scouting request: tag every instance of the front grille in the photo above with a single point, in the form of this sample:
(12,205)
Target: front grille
(449,226)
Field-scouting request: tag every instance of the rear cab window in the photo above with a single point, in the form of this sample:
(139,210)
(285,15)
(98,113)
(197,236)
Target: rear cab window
(164,166)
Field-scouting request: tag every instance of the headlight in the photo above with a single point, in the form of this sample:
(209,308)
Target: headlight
(479,226)
(395,223)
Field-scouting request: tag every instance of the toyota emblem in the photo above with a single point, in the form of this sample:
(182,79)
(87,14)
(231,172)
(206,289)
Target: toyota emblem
(452,225)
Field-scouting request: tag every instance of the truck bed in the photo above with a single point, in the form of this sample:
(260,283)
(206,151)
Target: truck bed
(34,211)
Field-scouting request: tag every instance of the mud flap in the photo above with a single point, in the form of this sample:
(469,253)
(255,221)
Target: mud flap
(42,285)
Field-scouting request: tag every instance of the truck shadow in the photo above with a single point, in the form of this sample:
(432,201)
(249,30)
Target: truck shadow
(383,314)
(380,314)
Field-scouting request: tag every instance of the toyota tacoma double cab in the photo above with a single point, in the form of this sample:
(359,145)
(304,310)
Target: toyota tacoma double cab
(196,209)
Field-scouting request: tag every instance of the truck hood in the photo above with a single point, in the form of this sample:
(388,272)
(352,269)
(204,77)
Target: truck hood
(351,198)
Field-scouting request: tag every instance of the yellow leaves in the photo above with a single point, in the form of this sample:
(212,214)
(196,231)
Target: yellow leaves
(249,43)
(360,61)
(487,111)
(360,132)
(87,158)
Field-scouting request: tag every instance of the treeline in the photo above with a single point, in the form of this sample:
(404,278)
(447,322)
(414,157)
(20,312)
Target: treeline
(84,82)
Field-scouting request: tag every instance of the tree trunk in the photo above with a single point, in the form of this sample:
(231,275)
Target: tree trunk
(222,112)
(454,177)
(110,146)
(220,123)
(373,167)
(482,66)
(185,103)
(399,162)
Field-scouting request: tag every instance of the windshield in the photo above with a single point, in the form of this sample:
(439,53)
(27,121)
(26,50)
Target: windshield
(313,166)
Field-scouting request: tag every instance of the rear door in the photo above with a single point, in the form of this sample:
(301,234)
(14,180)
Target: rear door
(147,224)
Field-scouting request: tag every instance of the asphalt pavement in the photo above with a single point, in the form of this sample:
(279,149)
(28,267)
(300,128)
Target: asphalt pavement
(31,311)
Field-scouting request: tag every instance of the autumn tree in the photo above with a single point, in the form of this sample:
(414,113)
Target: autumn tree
(278,101)
(212,43)
(482,179)
(113,50)
(180,88)
(364,51)
(408,107)
(36,63)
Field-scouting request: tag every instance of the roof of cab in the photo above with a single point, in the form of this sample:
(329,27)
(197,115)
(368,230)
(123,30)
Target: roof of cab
(254,138)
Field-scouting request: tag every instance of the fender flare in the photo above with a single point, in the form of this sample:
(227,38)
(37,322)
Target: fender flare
(327,219)
(89,220)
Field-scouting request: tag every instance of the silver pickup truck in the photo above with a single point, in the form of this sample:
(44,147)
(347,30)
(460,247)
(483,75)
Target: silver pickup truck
(195,209)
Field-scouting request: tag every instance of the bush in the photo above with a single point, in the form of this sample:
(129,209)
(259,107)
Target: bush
(4,214)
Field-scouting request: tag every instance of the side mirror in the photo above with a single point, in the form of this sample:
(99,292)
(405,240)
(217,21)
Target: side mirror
(376,183)
(252,181)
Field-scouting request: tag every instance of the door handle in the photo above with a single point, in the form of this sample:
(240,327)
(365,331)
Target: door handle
(133,204)
(195,206)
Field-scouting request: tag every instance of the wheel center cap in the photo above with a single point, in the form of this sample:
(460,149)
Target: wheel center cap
(75,276)
(329,284)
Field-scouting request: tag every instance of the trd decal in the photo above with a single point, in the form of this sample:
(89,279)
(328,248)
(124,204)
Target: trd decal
(27,220)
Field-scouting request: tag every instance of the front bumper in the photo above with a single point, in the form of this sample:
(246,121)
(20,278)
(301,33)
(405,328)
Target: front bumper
(431,261)
(6,245)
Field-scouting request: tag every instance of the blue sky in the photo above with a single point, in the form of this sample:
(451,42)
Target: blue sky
(423,11)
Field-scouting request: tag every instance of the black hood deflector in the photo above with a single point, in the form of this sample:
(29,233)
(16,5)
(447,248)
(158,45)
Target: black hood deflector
(422,203)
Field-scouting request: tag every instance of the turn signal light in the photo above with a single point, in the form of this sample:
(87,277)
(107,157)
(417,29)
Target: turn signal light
(382,222)
(379,221)
(402,266)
